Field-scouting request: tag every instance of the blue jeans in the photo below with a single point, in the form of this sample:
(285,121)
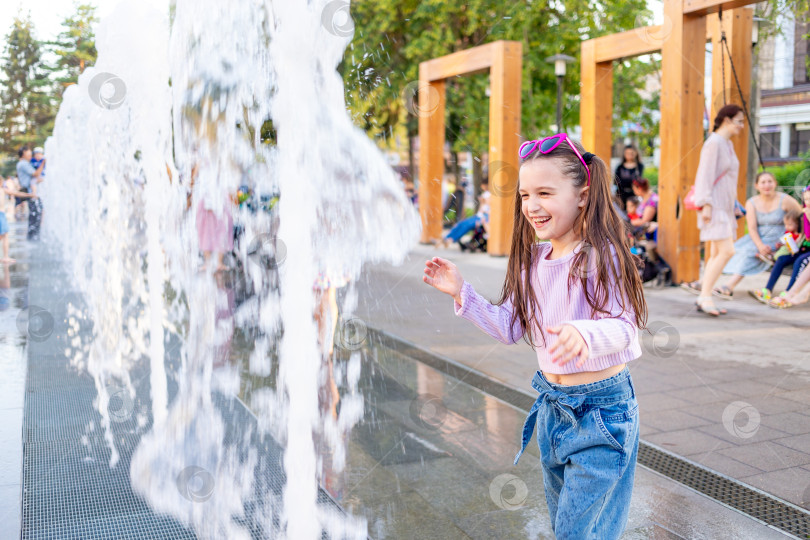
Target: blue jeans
(462,227)
(801,262)
(588,439)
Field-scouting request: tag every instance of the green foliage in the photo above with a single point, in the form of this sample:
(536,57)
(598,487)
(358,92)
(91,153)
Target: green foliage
(28,108)
(32,89)
(75,46)
(771,10)
(633,103)
(393,36)
(793,177)
(651,174)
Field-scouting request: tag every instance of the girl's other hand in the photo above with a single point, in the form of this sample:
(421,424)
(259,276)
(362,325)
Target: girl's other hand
(443,275)
(570,345)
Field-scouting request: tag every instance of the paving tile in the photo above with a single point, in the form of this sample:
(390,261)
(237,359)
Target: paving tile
(400,515)
(672,420)
(789,484)
(651,385)
(794,422)
(649,403)
(499,524)
(680,375)
(797,442)
(702,394)
(737,373)
(742,433)
(789,381)
(767,456)
(11,446)
(746,388)
(10,510)
(710,411)
(776,405)
(645,430)
(717,461)
(688,442)
(802,396)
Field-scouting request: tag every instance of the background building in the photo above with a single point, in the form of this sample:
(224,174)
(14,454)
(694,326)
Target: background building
(785,105)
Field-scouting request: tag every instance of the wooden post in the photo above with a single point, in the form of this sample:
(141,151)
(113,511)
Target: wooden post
(504,60)
(504,139)
(682,103)
(596,102)
(431,155)
(737,24)
(681,40)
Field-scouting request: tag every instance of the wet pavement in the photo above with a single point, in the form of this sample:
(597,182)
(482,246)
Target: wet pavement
(432,457)
(729,394)
(13,360)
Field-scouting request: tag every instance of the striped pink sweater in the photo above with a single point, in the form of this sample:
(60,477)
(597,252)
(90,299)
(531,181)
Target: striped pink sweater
(611,340)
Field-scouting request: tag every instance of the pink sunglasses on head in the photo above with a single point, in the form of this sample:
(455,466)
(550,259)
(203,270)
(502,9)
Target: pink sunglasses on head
(550,143)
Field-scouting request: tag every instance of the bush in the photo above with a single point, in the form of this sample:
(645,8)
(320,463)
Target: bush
(793,177)
(651,174)
(790,177)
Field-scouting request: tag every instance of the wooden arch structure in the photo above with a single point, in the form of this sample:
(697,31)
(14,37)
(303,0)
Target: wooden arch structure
(680,39)
(503,60)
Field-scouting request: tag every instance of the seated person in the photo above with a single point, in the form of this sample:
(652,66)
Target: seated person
(647,207)
(788,254)
(464,226)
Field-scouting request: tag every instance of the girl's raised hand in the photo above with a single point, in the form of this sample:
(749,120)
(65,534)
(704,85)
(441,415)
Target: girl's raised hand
(570,345)
(443,275)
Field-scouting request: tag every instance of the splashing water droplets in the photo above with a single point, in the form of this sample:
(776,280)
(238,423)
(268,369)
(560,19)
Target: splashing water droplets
(162,130)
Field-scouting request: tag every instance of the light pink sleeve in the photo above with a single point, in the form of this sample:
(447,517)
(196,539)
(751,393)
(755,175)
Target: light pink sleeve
(611,332)
(494,320)
(707,173)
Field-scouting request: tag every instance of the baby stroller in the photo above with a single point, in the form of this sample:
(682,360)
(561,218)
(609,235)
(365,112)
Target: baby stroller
(654,268)
(477,240)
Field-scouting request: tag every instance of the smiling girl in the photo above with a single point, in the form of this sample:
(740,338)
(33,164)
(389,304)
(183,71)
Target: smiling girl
(577,298)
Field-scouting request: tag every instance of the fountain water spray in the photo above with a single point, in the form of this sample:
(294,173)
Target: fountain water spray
(137,171)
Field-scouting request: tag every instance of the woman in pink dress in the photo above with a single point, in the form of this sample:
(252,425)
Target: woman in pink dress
(715,195)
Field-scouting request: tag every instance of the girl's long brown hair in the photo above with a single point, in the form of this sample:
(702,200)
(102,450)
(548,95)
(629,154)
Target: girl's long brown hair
(600,228)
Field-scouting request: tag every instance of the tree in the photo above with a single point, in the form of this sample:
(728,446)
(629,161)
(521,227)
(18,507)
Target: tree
(28,110)
(393,36)
(74,47)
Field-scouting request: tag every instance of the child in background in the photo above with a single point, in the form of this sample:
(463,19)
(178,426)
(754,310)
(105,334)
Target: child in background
(792,221)
(577,298)
(35,205)
(784,255)
(37,159)
(9,187)
(632,208)
(466,225)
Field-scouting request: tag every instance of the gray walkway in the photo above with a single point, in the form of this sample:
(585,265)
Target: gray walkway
(13,360)
(728,393)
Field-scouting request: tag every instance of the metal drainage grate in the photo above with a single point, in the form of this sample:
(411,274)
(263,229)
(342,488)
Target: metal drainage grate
(759,505)
(756,504)
(69,489)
